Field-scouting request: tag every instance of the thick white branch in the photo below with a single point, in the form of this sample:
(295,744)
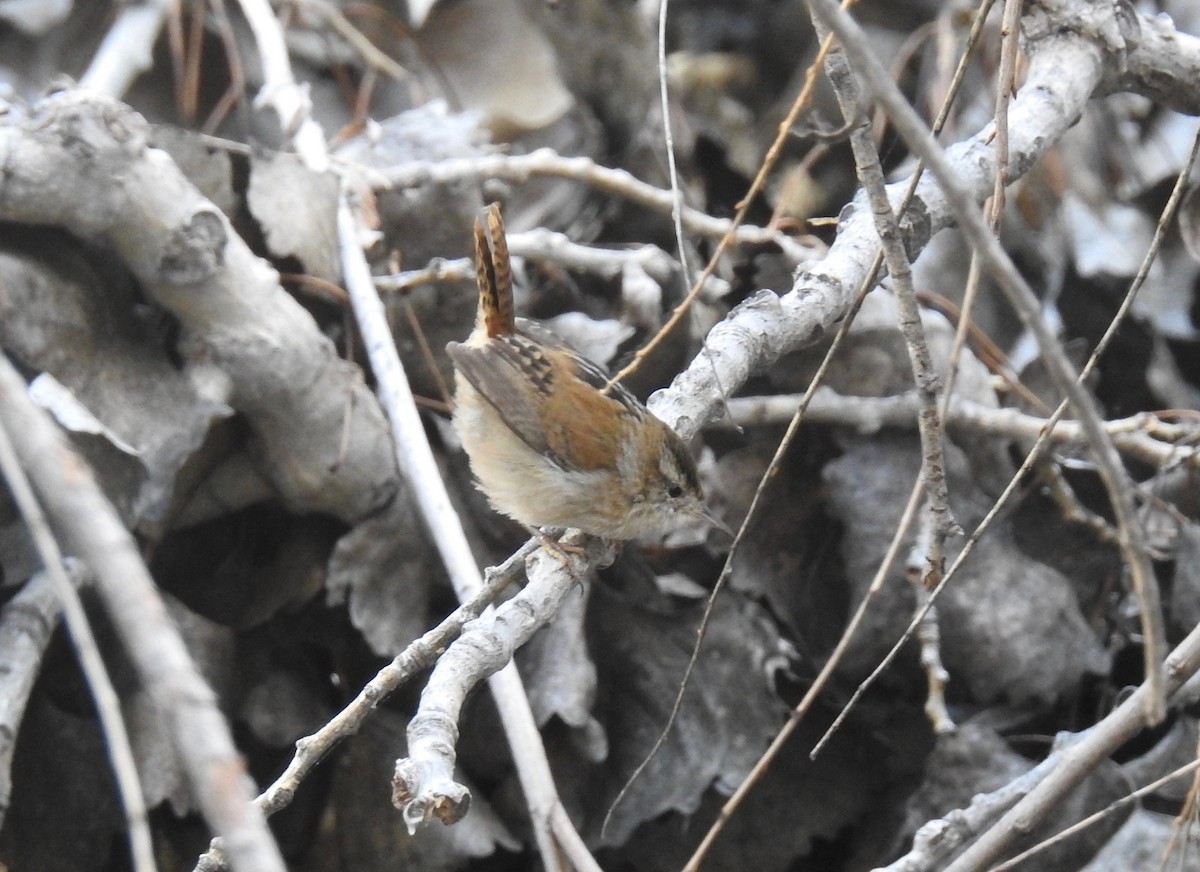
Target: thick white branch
(82,162)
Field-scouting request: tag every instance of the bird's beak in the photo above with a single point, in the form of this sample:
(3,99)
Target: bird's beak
(707,515)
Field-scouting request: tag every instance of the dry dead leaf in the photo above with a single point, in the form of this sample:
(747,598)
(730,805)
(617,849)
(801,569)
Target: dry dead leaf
(297,209)
(729,711)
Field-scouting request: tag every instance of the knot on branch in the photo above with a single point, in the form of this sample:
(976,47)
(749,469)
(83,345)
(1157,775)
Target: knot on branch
(196,249)
(62,156)
(98,132)
(916,227)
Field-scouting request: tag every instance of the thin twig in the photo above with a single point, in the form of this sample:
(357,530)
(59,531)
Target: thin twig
(1042,443)
(1125,722)
(108,705)
(843,644)
(1005,78)
(1143,437)
(1025,303)
(1059,488)
(810,696)
(1107,811)
(548,246)
(93,531)
(127,48)
(802,101)
(27,622)
(235,94)
(669,143)
(413,451)
(940,524)
(545,161)
(420,654)
(375,58)
(1184,821)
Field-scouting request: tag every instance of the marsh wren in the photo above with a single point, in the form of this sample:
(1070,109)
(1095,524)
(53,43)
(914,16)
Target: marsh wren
(550,440)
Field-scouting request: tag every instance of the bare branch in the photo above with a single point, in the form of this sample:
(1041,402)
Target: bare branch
(938,523)
(1088,39)
(93,530)
(547,162)
(127,49)
(1077,760)
(82,162)
(26,623)
(108,706)
(1143,437)
(412,450)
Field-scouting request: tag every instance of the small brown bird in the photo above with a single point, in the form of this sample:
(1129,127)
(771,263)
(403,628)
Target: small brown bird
(551,443)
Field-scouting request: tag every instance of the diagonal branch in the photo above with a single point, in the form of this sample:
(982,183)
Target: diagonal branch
(1116,479)
(92,529)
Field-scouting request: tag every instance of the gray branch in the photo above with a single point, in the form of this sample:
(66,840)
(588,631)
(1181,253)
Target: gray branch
(82,162)
(91,528)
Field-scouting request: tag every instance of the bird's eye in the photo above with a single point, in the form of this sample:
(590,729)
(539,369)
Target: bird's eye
(674,491)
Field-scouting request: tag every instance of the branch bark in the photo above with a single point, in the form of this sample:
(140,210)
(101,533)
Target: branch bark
(83,162)
(92,530)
